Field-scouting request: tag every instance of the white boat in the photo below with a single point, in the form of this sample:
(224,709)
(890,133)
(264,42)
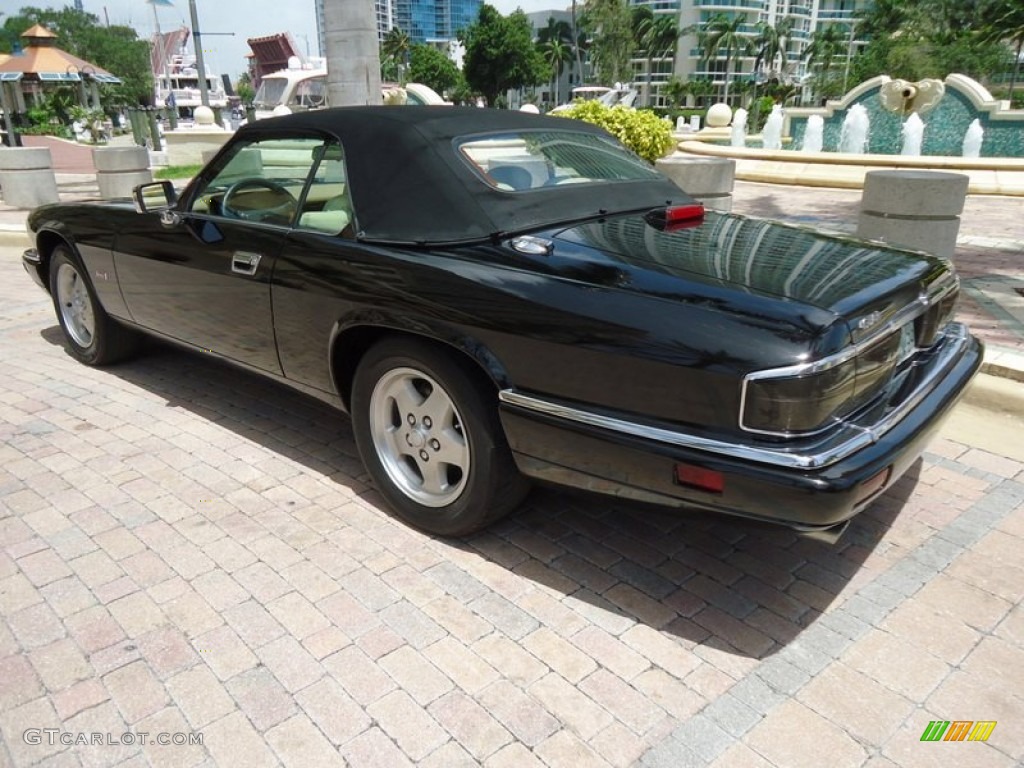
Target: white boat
(179,87)
(303,86)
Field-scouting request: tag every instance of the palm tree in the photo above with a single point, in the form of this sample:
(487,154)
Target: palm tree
(353,57)
(723,35)
(772,45)
(556,53)
(1003,21)
(658,37)
(396,46)
(826,45)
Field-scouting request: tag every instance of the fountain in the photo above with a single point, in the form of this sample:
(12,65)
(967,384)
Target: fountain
(738,134)
(865,130)
(813,137)
(913,136)
(771,134)
(973,138)
(854,136)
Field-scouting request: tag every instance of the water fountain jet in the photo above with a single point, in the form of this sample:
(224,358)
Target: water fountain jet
(973,139)
(738,133)
(913,136)
(771,134)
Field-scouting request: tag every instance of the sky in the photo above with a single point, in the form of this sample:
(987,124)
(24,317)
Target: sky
(245,18)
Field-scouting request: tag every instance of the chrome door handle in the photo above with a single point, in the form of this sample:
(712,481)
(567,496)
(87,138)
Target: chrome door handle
(245,263)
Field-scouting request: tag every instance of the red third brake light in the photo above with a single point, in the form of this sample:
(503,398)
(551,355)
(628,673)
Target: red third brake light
(675,214)
(674,217)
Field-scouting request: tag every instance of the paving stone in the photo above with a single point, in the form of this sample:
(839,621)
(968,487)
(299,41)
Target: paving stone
(135,691)
(199,696)
(299,744)
(479,733)
(415,732)
(333,711)
(232,741)
(373,749)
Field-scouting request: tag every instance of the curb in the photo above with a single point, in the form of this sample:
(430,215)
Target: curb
(14,236)
(996,393)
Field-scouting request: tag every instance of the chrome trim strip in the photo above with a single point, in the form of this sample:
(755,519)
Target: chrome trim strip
(956,338)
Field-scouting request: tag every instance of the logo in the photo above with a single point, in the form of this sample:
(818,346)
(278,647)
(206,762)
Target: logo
(958,730)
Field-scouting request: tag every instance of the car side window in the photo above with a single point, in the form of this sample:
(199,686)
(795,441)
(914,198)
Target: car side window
(327,206)
(260,180)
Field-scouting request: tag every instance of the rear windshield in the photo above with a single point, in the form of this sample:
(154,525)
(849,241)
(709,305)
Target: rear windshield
(516,162)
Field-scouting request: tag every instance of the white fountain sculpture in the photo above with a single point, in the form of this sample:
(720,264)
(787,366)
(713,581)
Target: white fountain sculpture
(814,134)
(771,134)
(854,135)
(738,132)
(913,135)
(973,139)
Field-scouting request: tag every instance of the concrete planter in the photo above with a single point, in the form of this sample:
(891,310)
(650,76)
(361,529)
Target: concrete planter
(913,209)
(120,169)
(708,179)
(26,177)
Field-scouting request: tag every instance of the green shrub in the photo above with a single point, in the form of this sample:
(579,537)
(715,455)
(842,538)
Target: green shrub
(640,130)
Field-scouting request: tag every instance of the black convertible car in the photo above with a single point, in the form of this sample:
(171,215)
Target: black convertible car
(496,296)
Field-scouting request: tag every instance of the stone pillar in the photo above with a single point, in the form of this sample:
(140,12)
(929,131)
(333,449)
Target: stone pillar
(120,169)
(913,209)
(26,177)
(708,179)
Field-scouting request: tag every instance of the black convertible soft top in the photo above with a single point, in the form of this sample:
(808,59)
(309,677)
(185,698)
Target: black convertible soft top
(408,184)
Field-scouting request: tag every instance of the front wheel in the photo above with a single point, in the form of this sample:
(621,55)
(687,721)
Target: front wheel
(92,336)
(430,438)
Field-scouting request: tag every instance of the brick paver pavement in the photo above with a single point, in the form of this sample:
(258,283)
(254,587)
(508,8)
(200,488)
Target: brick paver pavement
(185,548)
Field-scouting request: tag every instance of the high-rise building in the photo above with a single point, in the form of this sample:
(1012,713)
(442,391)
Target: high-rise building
(435,21)
(809,16)
(424,21)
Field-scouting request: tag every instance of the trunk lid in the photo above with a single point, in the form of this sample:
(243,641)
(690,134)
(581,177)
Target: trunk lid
(867,284)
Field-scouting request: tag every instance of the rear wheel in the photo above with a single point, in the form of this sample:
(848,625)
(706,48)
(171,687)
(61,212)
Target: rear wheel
(92,336)
(429,435)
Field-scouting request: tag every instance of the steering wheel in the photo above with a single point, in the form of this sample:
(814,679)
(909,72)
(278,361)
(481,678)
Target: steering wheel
(284,209)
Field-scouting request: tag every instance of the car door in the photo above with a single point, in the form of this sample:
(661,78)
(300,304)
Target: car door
(205,278)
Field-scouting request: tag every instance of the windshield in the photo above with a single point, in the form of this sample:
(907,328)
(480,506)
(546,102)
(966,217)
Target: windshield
(270,92)
(515,162)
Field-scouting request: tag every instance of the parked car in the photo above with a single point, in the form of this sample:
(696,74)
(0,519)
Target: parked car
(496,297)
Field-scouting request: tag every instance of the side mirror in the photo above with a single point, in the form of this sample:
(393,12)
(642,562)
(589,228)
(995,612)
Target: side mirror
(154,196)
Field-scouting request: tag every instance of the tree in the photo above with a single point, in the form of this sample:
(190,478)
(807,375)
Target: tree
(556,53)
(555,45)
(500,54)
(772,46)
(915,39)
(432,67)
(353,58)
(1003,21)
(675,91)
(722,35)
(611,40)
(116,49)
(395,50)
(658,37)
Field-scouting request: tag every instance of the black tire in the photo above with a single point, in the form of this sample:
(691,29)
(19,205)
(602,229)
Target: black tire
(92,336)
(447,471)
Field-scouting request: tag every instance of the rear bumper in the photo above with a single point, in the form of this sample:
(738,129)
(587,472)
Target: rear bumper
(810,485)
